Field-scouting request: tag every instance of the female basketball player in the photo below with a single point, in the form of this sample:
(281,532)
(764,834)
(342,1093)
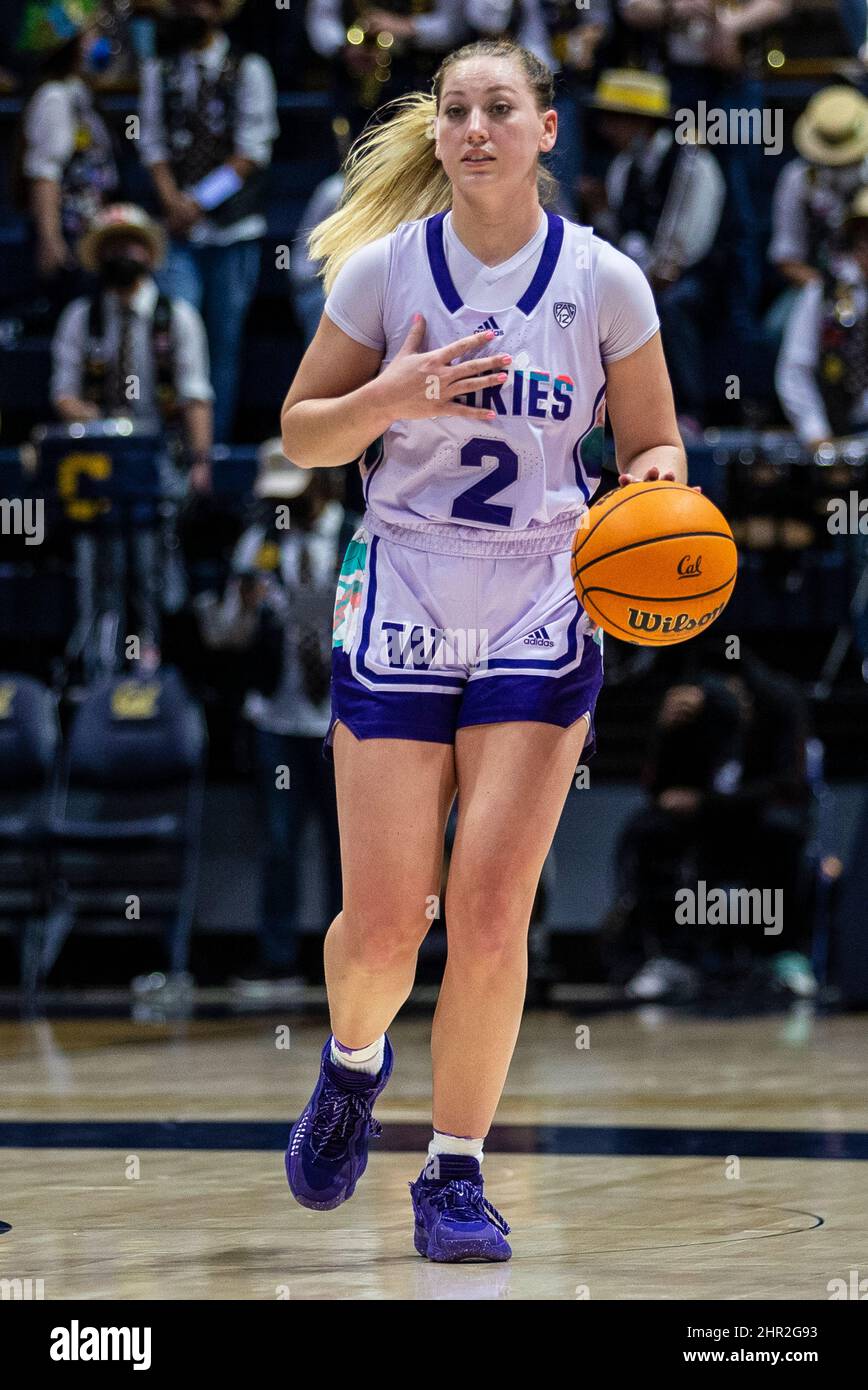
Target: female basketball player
(462,660)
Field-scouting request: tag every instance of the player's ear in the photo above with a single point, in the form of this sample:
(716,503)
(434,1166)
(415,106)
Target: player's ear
(550,131)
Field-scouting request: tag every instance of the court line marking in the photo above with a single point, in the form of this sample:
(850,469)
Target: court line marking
(608,1140)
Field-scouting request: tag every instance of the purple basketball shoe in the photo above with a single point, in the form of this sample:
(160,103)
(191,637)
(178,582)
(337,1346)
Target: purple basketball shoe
(328,1144)
(453,1220)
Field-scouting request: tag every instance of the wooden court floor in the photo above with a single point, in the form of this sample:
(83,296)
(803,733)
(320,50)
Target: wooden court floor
(675,1157)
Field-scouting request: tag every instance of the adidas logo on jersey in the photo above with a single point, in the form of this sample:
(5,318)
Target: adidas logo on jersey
(539,638)
(490,323)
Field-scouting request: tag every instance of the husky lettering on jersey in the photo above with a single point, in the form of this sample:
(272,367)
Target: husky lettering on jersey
(527,393)
(516,483)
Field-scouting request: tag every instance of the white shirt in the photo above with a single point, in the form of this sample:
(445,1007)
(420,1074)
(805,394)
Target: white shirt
(796,370)
(801,185)
(702,204)
(50,127)
(256,126)
(69,349)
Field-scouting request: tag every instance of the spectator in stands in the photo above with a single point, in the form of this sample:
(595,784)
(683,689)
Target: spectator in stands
(366,73)
(814,190)
(699,41)
(661,205)
(715,53)
(822,371)
(65,155)
(729,804)
(566,38)
(277,609)
(128,350)
(208,122)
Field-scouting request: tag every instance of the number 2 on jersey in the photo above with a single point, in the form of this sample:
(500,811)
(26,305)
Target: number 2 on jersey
(473,503)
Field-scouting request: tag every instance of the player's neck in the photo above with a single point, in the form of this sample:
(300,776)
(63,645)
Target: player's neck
(489,235)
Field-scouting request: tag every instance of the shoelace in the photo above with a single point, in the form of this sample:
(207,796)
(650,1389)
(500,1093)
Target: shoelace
(336,1115)
(461,1194)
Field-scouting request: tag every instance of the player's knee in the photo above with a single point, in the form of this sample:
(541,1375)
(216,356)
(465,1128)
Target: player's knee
(379,939)
(489,916)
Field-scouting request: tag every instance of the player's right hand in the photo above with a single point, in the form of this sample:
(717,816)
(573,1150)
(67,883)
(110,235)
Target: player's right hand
(423,385)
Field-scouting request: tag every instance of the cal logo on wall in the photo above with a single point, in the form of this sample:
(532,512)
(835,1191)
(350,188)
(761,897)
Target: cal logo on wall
(71,469)
(135,700)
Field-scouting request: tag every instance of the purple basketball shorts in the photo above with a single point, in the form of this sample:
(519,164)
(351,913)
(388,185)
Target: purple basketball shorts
(425,644)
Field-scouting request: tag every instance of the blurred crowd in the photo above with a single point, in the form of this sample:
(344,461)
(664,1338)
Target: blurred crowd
(665,128)
(150,283)
(731,780)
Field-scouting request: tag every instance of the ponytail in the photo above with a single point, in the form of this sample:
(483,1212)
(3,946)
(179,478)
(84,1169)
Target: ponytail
(391,176)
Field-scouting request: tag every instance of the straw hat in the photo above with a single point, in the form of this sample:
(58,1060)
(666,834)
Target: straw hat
(277,476)
(833,128)
(120,217)
(632,93)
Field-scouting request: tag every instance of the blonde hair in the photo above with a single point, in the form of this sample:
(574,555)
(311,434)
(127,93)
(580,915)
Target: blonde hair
(391,174)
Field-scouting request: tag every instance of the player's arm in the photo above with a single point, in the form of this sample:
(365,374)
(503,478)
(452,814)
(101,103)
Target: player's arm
(330,414)
(640,406)
(360,405)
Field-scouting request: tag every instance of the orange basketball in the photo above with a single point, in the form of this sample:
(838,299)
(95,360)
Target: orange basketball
(654,563)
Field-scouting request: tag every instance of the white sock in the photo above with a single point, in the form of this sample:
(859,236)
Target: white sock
(444,1143)
(369,1059)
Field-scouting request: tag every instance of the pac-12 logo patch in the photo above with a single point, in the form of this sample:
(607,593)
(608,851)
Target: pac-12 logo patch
(564,313)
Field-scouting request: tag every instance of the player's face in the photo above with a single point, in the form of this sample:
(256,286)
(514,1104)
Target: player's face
(487,109)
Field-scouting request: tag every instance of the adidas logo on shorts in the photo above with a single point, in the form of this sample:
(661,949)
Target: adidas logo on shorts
(490,323)
(539,638)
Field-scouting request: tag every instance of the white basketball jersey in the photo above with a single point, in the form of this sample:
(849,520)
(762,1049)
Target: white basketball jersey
(518,483)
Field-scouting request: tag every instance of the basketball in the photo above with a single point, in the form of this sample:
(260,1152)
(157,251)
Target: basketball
(654,563)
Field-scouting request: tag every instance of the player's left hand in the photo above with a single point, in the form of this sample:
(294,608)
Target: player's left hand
(651,475)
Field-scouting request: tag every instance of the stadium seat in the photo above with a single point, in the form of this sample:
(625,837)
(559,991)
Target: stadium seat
(127,817)
(29,741)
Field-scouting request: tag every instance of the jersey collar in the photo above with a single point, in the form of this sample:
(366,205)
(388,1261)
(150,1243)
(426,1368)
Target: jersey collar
(535,290)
